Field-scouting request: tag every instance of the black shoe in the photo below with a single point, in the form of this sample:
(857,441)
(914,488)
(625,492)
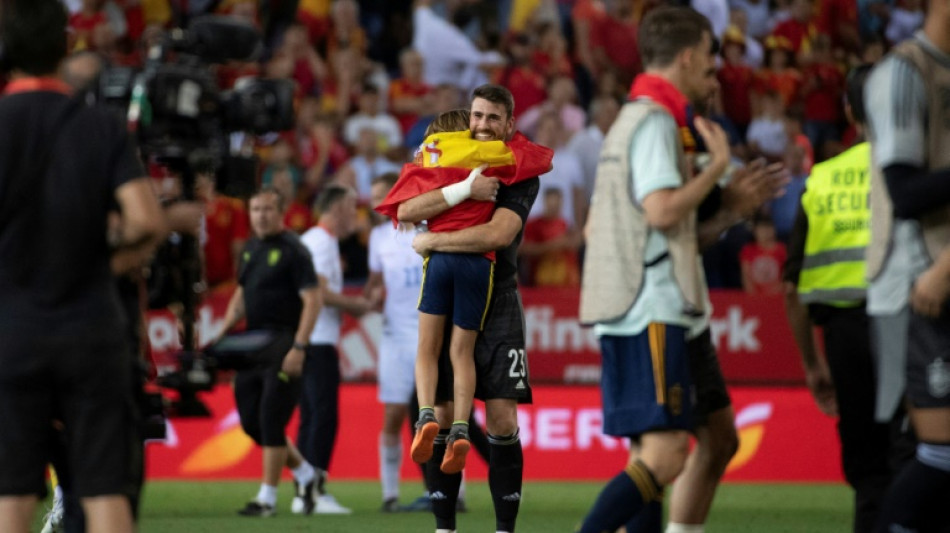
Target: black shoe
(391,506)
(422,504)
(256,508)
(303,499)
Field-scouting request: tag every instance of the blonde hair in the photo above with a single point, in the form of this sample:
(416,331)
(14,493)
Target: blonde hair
(454,120)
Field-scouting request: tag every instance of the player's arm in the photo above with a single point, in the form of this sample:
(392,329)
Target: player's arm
(751,187)
(932,288)
(896,103)
(292,365)
(430,204)
(142,226)
(665,208)
(493,235)
(817,374)
(353,305)
(374,290)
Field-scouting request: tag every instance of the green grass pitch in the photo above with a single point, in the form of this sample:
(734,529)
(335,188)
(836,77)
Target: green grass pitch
(194,507)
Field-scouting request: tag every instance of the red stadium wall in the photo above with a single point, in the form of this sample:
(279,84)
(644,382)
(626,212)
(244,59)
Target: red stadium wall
(783,438)
(751,335)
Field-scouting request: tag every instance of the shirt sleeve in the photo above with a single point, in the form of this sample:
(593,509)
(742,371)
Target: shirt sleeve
(896,103)
(127,165)
(653,156)
(519,197)
(304,276)
(796,247)
(322,256)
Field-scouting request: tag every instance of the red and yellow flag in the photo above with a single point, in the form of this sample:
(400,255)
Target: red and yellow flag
(449,157)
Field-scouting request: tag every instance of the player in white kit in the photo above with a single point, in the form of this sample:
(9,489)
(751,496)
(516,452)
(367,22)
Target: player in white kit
(396,269)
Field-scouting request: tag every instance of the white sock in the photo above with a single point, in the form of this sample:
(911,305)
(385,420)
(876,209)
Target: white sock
(673,527)
(304,473)
(390,461)
(444,531)
(267,495)
(462,488)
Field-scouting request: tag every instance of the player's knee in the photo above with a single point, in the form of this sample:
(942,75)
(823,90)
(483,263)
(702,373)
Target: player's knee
(501,416)
(724,448)
(666,461)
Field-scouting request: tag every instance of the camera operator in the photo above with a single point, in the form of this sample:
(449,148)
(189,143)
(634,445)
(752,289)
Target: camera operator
(66,166)
(278,293)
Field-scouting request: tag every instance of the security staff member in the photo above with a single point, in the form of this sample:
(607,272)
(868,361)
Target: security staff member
(826,272)
(277,292)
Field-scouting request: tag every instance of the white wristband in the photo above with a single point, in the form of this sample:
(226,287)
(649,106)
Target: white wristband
(457,192)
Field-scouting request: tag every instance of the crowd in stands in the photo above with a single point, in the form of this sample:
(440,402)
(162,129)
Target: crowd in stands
(371,74)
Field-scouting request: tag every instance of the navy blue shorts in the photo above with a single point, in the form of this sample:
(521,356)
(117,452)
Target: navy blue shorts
(645,381)
(457,284)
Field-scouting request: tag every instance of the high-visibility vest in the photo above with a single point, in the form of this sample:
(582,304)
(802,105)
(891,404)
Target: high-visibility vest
(838,208)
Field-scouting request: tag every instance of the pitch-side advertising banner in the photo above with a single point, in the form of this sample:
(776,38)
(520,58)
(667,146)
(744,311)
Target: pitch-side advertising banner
(751,335)
(783,437)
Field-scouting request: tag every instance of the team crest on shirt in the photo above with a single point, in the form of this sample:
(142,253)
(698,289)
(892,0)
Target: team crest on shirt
(675,400)
(273,257)
(938,378)
(432,152)
(247,256)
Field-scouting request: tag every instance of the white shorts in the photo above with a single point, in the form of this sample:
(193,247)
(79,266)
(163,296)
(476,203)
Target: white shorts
(396,371)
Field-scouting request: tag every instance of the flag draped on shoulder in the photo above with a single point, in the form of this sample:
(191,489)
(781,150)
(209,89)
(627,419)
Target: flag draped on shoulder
(449,157)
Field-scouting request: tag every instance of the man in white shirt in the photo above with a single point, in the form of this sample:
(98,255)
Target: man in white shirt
(319,403)
(394,267)
(386,127)
(585,144)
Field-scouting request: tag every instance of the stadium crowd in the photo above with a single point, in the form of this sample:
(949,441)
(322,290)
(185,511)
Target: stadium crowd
(371,75)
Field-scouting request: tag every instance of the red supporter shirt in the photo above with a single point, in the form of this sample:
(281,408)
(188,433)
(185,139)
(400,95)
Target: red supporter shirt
(298,218)
(797,33)
(553,269)
(787,83)
(402,88)
(834,14)
(764,267)
(823,102)
(527,86)
(226,222)
(737,82)
(619,41)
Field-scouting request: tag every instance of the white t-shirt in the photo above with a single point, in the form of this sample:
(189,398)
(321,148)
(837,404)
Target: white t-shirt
(585,145)
(384,125)
(325,250)
(566,175)
(769,134)
(896,101)
(391,253)
(653,156)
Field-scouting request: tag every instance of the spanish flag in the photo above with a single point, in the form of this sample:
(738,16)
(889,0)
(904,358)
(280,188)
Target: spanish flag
(449,157)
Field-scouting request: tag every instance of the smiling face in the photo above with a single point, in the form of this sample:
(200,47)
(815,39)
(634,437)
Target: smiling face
(490,121)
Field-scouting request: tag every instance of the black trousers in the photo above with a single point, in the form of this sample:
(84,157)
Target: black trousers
(319,405)
(865,444)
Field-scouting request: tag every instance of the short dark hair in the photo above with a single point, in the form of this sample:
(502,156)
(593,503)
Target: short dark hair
(34,35)
(270,189)
(854,91)
(331,196)
(666,31)
(496,94)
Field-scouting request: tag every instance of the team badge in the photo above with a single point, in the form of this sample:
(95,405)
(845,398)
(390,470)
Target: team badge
(273,257)
(938,378)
